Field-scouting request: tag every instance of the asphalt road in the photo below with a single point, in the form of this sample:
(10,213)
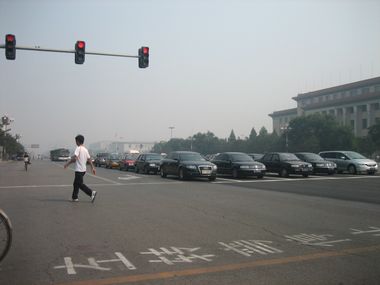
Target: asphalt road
(143,229)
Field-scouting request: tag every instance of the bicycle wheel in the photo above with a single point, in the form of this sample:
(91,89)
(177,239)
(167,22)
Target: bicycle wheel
(5,235)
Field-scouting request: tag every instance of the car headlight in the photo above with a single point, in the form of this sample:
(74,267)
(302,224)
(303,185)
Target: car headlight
(191,167)
(152,164)
(244,166)
(214,167)
(320,165)
(295,165)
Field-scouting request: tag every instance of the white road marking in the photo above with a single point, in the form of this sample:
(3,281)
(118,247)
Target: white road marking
(91,185)
(128,177)
(311,178)
(91,175)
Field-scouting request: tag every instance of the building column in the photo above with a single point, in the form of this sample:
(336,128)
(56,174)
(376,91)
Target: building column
(369,115)
(344,112)
(356,123)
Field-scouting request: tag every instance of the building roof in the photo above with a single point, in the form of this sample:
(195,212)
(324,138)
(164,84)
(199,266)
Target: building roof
(344,87)
(292,111)
(343,101)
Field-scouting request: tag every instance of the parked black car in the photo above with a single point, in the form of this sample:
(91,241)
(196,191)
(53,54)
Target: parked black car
(100,159)
(285,163)
(320,165)
(256,156)
(148,162)
(186,164)
(238,164)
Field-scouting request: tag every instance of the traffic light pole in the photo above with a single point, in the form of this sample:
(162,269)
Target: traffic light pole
(37,48)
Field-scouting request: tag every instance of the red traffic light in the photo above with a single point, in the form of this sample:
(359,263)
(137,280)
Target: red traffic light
(10,46)
(80,52)
(81,44)
(143,57)
(10,38)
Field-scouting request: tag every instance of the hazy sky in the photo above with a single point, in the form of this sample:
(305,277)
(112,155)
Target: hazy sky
(214,65)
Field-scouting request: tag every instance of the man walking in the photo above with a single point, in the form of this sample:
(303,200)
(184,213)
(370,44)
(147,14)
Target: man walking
(81,157)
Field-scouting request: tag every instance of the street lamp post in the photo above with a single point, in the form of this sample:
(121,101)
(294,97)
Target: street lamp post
(6,121)
(286,129)
(171,132)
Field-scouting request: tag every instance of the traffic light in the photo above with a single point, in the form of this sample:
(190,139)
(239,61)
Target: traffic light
(143,57)
(80,52)
(10,47)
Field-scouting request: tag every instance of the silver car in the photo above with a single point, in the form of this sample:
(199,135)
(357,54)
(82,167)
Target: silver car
(351,161)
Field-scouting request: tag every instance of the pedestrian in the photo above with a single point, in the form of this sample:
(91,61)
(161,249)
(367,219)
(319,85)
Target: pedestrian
(80,158)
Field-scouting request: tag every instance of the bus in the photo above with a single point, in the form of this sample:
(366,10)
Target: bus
(60,154)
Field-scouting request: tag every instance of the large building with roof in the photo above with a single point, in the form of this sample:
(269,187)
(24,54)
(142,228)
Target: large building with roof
(355,104)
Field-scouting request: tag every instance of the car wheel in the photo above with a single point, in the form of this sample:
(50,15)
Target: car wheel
(162,172)
(352,169)
(284,173)
(137,170)
(146,170)
(260,176)
(235,173)
(212,178)
(305,175)
(181,174)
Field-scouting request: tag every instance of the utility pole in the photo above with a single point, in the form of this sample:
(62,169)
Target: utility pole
(286,130)
(6,121)
(171,132)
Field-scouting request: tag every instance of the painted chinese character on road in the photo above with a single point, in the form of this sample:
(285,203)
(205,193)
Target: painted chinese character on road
(250,247)
(375,231)
(313,239)
(94,264)
(174,255)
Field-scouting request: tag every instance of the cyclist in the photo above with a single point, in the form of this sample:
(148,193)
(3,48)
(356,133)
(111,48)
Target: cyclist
(26,160)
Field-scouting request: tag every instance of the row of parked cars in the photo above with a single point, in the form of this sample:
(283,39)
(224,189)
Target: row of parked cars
(146,162)
(187,164)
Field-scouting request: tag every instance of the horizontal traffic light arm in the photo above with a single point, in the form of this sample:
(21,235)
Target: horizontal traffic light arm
(71,51)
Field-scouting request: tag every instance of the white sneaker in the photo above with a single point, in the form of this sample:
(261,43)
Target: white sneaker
(93,196)
(74,200)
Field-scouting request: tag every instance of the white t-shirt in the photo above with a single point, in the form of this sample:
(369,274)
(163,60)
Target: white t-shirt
(82,156)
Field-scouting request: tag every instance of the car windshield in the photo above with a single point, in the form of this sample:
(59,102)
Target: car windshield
(153,157)
(241,157)
(131,156)
(311,156)
(114,156)
(354,155)
(191,157)
(288,156)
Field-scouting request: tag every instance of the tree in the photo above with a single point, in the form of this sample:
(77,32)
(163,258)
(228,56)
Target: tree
(252,134)
(232,137)
(263,131)
(318,132)
(374,133)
